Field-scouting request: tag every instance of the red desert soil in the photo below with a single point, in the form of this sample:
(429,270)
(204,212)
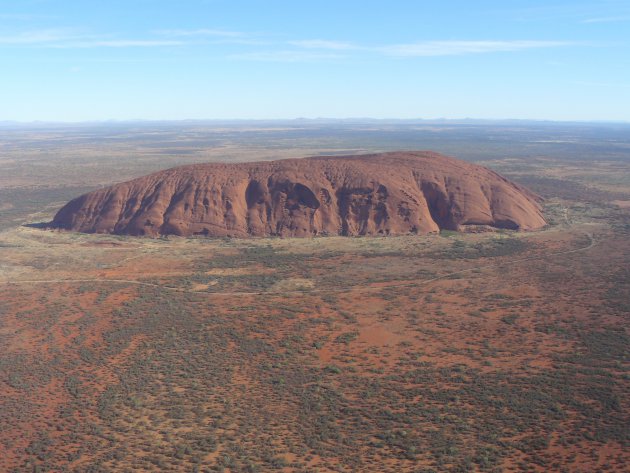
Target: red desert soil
(388,193)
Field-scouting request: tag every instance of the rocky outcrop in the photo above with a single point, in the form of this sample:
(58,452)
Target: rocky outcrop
(376,194)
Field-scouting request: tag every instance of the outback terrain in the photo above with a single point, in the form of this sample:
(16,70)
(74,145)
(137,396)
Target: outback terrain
(495,351)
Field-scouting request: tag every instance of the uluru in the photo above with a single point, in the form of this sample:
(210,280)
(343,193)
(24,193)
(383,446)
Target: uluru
(375,194)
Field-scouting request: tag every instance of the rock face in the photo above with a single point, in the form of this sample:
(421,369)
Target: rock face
(377,194)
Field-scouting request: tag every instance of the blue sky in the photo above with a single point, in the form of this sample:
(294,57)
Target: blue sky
(77,60)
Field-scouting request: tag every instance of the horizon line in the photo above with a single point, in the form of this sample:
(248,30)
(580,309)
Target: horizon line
(106,121)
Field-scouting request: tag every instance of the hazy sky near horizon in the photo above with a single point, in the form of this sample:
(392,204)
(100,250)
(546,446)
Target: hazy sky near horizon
(77,60)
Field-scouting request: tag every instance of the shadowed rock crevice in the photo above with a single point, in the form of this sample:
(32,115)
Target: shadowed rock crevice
(440,207)
(379,194)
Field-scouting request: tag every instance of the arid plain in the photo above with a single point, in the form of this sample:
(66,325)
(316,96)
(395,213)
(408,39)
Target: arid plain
(502,351)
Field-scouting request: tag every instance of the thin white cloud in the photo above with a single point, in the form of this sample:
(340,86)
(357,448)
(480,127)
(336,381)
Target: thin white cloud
(606,85)
(288,51)
(215,36)
(118,43)
(578,12)
(35,37)
(65,38)
(285,56)
(323,44)
(315,50)
(18,16)
(203,32)
(607,19)
(456,48)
